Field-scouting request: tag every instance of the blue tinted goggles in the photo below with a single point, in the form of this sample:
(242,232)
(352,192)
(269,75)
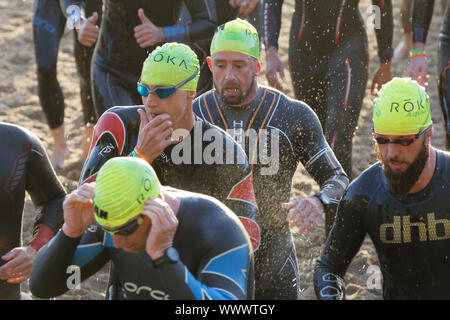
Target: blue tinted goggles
(162,92)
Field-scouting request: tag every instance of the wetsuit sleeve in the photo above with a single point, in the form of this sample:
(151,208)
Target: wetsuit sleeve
(421,19)
(202,25)
(384,32)
(319,160)
(51,275)
(46,192)
(341,246)
(108,142)
(223,272)
(210,284)
(272,22)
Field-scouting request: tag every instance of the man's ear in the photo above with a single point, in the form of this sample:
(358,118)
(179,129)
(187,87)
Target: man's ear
(258,67)
(208,60)
(431,132)
(191,94)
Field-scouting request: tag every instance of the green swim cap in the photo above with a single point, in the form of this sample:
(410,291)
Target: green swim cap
(236,35)
(169,65)
(402,107)
(123,184)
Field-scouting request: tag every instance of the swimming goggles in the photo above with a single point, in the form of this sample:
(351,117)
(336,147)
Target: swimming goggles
(163,92)
(402,140)
(128,229)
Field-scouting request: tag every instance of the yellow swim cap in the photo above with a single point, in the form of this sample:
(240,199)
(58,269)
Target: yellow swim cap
(402,107)
(123,184)
(170,64)
(237,35)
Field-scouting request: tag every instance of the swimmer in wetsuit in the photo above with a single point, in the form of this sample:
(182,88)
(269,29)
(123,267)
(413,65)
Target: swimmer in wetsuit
(132,29)
(25,167)
(401,202)
(328,62)
(148,230)
(423,11)
(153,132)
(277,133)
(48,28)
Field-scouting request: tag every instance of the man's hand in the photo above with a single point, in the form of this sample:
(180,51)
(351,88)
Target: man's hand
(19,264)
(88,33)
(147,34)
(419,66)
(382,75)
(79,210)
(304,213)
(274,67)
(154,134)
(245,6)
(419,70)
(164,224)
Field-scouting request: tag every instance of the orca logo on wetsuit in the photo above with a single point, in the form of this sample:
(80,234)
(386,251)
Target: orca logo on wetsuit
(155,294)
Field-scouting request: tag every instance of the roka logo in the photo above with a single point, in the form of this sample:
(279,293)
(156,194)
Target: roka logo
(155,294)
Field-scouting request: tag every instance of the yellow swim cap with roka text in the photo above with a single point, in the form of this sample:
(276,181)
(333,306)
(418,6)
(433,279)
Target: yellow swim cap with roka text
(169,65)
(402,107)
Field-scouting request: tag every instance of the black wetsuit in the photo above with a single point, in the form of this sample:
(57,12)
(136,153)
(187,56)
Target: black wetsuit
(289,133)
(25,167)
(216,263)
(48,28)
(328,61)
(410,234)
(118,58)
(422,13)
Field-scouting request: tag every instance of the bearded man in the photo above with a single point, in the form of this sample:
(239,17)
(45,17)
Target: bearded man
(402,202)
